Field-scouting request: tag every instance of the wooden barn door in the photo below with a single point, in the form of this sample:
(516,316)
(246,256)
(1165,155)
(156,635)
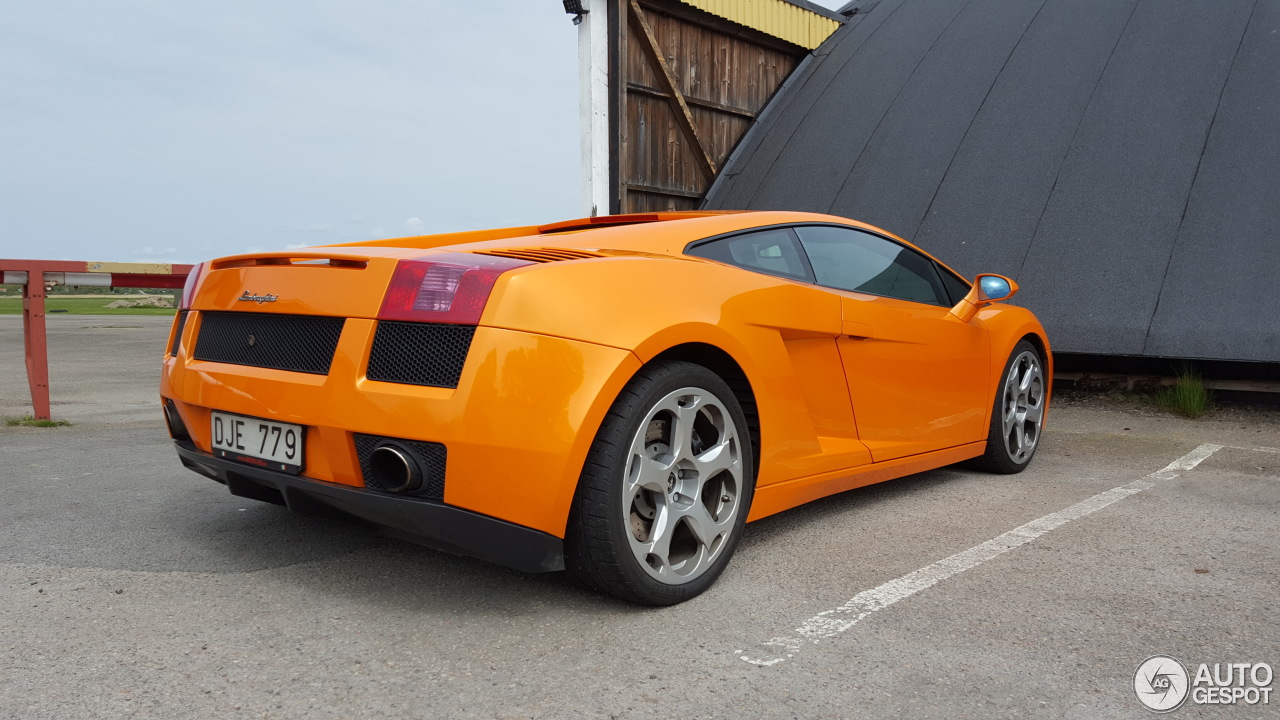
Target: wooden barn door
(685,86)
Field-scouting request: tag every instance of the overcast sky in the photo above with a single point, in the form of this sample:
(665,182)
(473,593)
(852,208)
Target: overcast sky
(170,130)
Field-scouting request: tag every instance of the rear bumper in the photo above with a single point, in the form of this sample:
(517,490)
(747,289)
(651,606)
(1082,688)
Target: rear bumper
(516,428)
(433,524)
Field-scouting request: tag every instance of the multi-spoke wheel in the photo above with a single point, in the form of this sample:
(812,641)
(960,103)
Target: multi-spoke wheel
(666,488)
(1018,415)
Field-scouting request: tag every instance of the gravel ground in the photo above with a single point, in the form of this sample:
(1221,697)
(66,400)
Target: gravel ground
(130,587)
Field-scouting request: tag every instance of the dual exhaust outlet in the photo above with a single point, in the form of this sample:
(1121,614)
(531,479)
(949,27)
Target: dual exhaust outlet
(395,469)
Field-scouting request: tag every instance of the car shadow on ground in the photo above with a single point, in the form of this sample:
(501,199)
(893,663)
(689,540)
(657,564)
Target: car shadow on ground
(353,564)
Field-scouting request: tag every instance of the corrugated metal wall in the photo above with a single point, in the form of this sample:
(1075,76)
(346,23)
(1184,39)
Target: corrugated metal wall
(778,18)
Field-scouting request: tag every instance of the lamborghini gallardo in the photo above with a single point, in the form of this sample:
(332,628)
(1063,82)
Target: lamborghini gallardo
(612,396)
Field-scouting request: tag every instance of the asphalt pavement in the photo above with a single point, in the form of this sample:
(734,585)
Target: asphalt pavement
(131,587)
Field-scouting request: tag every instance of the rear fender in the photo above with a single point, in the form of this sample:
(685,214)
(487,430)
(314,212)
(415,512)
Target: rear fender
(782,334)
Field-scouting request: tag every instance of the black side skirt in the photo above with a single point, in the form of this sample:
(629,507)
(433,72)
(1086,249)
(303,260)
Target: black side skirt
(433,524)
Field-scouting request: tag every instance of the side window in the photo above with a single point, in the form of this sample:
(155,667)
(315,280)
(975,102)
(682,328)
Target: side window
(956,287)
(848,259)
(773,252)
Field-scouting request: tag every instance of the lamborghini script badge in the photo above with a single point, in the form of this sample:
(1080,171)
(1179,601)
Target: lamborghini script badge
(248,297)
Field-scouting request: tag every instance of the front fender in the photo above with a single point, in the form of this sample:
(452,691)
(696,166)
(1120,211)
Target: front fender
(1008,325)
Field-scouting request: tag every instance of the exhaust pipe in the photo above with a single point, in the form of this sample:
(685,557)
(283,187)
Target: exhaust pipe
(395,469)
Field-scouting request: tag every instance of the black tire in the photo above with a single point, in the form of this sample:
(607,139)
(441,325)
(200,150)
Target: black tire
(616,515)
(1004,454)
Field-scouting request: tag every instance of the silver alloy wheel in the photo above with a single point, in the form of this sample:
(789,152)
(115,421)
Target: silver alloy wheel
(1023,406)
(683,485)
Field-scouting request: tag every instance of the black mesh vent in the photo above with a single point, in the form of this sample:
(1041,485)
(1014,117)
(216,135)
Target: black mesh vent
(177,336)
(419,353)
(430,456)
(301,343)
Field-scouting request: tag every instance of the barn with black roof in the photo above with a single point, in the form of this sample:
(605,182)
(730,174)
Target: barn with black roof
(1118,158)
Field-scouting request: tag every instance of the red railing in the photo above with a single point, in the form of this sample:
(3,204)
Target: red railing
(34,275)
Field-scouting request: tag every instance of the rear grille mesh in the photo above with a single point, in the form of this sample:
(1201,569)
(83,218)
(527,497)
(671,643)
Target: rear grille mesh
(177,336)
(419,353)
(299,343)
(431,459)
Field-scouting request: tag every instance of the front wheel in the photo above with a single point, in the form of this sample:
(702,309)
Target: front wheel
(666,488)
(1018,415)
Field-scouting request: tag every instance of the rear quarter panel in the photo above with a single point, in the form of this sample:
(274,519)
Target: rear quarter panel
(781,334)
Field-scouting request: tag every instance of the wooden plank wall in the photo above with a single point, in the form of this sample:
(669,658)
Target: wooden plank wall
(723,74)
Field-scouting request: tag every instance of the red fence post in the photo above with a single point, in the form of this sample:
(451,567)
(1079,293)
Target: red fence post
(34,340)
(32,274)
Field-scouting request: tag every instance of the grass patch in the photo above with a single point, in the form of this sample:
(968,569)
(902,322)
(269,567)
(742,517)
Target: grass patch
(80,306)
(29,421)
(1187,396)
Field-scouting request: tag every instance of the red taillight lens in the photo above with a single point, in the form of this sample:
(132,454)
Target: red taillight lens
(450,288)
(189,287)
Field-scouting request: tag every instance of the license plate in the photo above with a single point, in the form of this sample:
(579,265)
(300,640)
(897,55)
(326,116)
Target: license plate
(265,443)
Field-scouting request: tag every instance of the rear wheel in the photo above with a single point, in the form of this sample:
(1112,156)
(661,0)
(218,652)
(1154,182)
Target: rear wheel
(1018,415)
(666,488)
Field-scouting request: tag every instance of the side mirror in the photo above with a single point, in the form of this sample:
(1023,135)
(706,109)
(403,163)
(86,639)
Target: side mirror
(993,288)
(987,288)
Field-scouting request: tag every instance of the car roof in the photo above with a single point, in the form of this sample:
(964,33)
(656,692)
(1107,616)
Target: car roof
(662,233)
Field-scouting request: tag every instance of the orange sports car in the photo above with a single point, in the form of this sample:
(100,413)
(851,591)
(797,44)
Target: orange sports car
(613,396)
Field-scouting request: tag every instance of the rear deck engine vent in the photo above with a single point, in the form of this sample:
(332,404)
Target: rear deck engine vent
(541,255)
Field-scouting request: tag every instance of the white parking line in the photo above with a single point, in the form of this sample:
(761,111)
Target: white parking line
(831,623)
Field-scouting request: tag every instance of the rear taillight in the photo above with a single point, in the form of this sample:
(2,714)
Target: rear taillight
(450,288)
(189,287)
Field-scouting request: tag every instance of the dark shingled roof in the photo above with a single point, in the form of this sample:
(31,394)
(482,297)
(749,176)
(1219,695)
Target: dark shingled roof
(1119,158)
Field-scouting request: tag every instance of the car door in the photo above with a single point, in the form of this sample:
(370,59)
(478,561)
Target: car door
(916,373)
(804,360)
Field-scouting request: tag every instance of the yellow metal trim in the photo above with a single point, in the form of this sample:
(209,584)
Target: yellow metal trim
(120,267)
(778,18)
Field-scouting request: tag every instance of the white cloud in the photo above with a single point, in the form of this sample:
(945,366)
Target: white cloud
(415,225)
(295,246)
